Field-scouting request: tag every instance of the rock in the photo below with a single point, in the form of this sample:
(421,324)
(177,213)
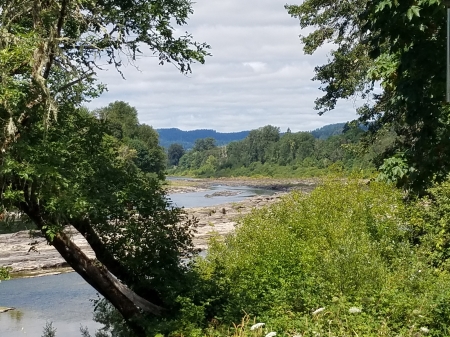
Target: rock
(223,194)
(24,253)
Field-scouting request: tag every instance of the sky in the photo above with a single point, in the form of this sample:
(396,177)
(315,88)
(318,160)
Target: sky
(257,75)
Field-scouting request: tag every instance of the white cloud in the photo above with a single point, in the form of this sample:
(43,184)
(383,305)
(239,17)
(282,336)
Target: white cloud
(256,66)
(258,75)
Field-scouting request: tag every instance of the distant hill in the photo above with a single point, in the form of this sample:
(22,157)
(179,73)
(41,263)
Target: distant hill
(328,130)
(188,138)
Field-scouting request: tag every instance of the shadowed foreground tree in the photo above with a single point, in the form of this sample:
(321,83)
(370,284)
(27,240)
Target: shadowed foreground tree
(60,166)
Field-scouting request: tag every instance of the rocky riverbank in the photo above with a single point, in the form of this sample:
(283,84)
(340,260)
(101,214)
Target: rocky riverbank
(282,185)
(32,256)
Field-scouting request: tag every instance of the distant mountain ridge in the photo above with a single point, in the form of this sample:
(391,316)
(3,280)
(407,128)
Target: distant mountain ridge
(329,130)
(188,138)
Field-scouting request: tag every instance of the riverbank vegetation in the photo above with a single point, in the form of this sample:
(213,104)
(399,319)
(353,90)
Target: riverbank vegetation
(267,153)
(349,259)
(61,165)
(352,258)
(4,273)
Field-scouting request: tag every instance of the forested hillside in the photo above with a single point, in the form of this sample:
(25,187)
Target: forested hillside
(328,130)
(188,138)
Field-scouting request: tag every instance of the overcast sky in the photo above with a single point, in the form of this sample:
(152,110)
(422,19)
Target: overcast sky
(257,75)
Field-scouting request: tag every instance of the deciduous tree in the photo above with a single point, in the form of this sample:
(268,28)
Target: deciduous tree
(401,45)
(174,153)
(60,166)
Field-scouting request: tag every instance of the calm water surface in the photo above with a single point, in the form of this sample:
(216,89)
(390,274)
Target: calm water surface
(65,299)
(62,299)
(206,198)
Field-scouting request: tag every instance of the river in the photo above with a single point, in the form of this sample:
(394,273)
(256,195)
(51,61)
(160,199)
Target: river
(66,299)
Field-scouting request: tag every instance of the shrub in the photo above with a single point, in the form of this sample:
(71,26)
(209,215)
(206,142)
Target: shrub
(345,245)
(4,273)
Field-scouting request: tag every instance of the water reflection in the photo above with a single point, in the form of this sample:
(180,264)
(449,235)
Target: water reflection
(15,315)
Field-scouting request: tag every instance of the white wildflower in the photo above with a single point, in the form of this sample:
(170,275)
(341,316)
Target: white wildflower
(318,311)
(354,310)
(424,329)
(257,326)
(271,334)
(300,335)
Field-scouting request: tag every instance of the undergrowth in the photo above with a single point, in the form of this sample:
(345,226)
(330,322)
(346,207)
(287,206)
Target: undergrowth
(341,261)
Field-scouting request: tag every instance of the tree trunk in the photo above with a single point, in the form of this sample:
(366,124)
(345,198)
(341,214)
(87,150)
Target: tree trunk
(108,260)
(97,275)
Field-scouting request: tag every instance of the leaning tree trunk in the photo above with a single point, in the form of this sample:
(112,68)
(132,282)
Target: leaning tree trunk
(128,303)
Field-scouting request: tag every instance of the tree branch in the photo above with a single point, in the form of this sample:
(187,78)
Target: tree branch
(68,85)
(59,25)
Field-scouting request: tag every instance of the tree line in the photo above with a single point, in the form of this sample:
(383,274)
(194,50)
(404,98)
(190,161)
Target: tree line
(267,152)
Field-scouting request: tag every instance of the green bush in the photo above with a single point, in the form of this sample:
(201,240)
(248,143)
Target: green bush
(4,273)
(346,245)
(432,224)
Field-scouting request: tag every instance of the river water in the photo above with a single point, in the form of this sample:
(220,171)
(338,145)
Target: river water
(66,299)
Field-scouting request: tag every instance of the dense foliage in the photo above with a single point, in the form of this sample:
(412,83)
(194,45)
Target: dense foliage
(4,273)
(122,121)
(266,152)
(348,248)
(401,45)
(349,259)
(174,154)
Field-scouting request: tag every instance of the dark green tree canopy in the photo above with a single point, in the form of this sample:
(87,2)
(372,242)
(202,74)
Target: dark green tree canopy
(120,116)
(122,122)
(174,153)
(401,45)
(204,144)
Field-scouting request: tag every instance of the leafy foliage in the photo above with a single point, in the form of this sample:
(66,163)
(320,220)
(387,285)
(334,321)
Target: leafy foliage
(345,248)
(122,121)
(4,273)
(174,153)
(61,166)
(338,23)
(393,43)
(78,174)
